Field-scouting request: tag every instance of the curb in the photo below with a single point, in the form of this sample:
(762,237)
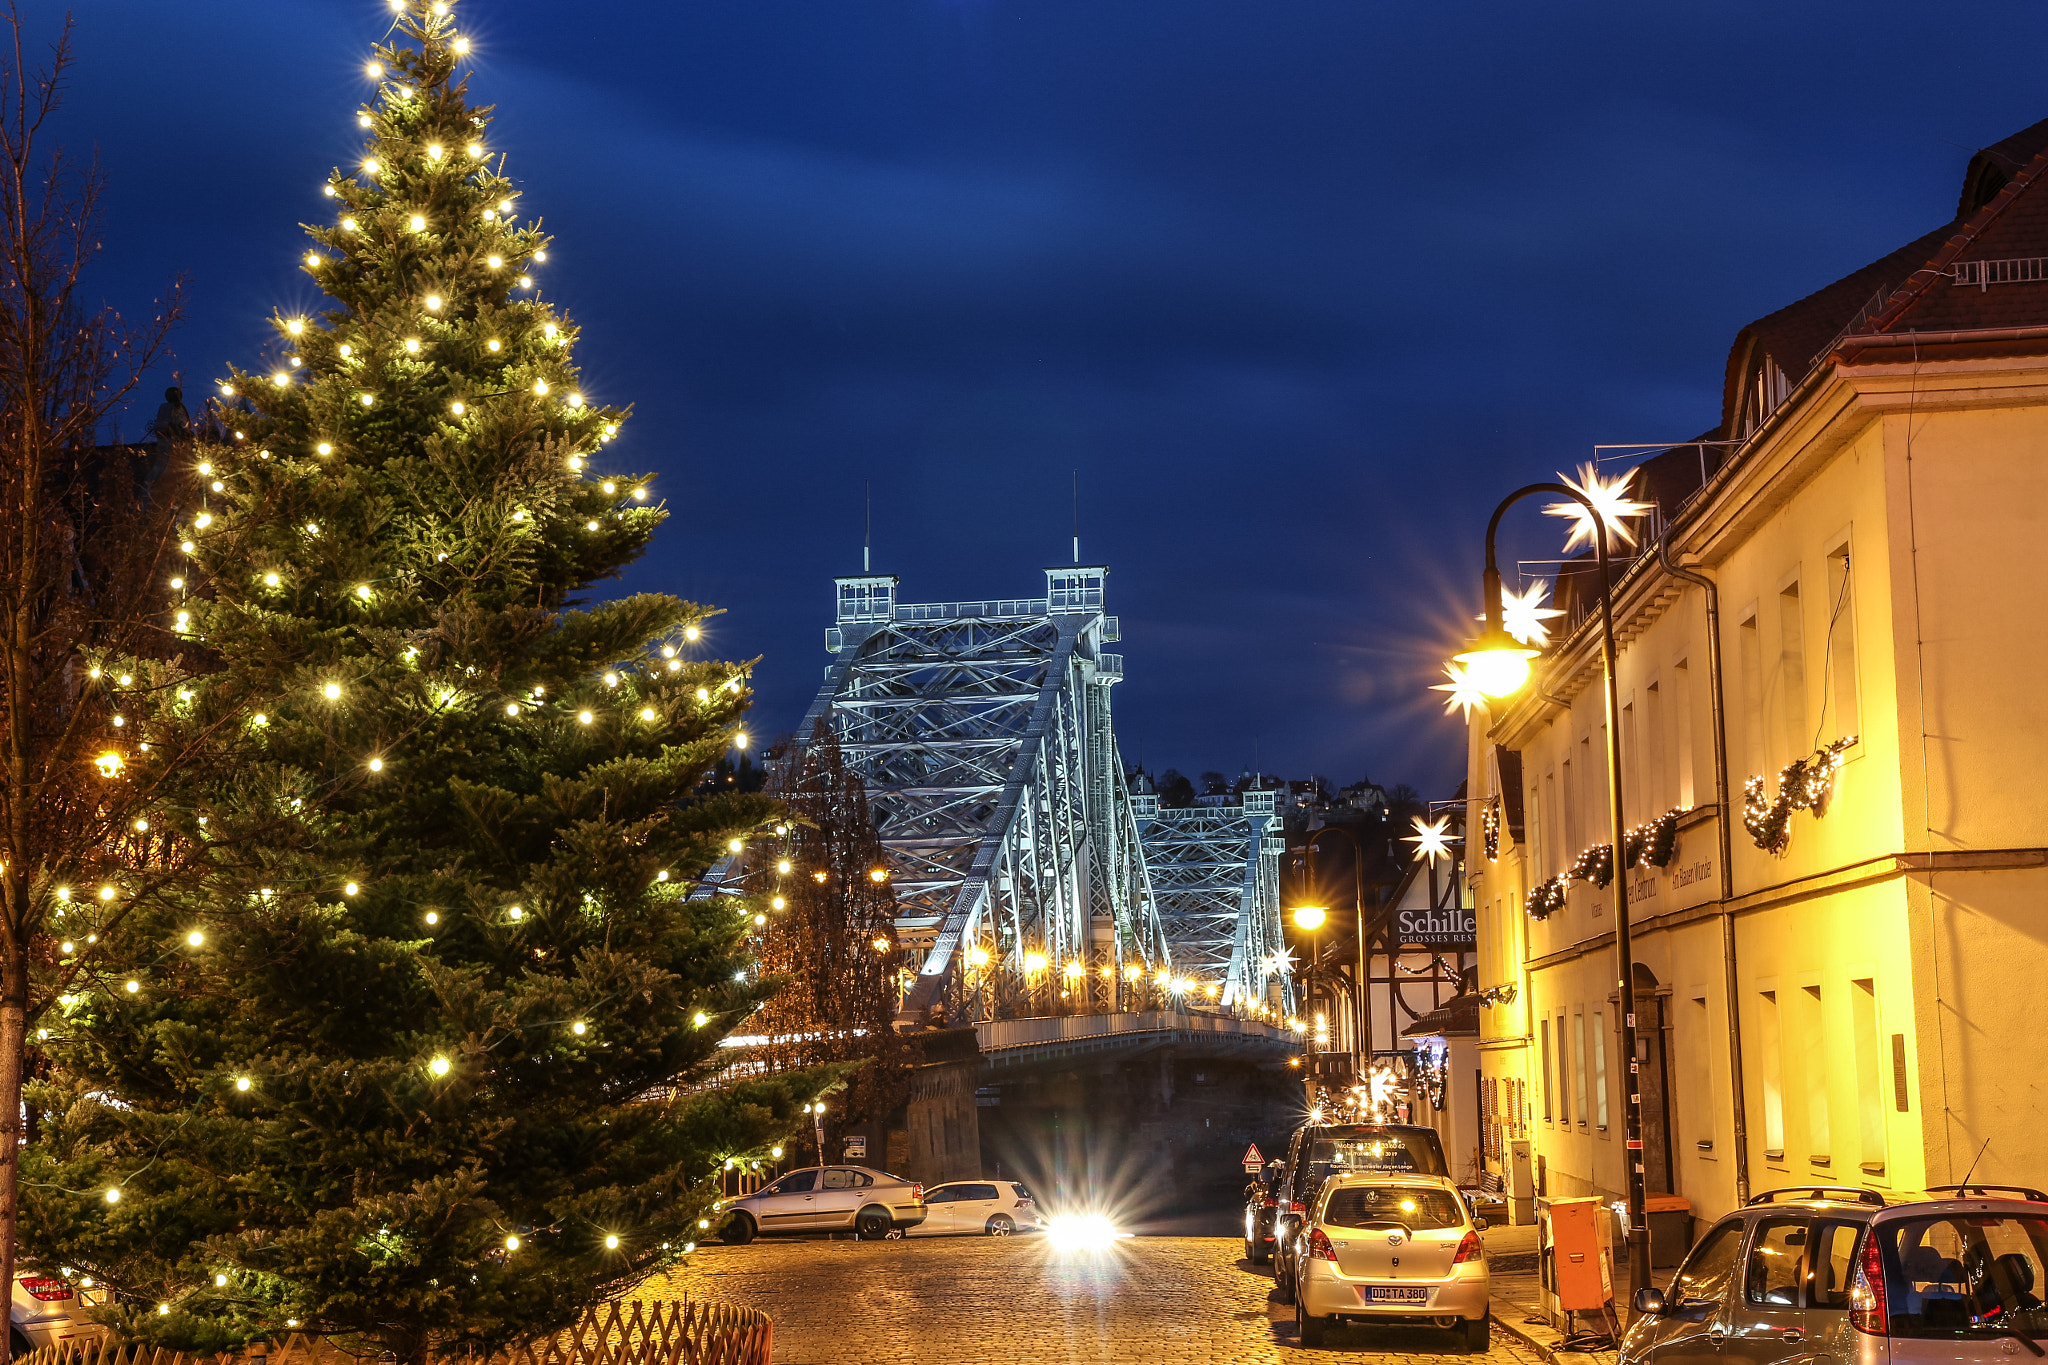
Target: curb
(1520,1334)
(1549,1352)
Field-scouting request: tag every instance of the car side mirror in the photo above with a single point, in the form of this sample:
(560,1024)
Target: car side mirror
(1650,1301)
(1479,1221)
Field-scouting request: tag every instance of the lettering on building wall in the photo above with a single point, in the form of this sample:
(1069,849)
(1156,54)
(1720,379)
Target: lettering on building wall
(1686,876)
(1441,927)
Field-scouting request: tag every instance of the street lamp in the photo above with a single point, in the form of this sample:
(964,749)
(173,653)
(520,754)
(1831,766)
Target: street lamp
(1497,665)
(1364,1013)
(1309,918)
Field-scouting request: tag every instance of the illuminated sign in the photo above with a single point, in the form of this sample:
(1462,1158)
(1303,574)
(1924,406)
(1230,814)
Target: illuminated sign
(1454,927)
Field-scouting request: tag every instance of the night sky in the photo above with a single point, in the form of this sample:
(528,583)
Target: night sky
(1300,287)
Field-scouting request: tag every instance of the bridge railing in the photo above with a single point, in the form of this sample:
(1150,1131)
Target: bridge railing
(1002,1033)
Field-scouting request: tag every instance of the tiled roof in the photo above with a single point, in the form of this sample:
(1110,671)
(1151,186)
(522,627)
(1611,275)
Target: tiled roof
(2012,226)
(2003,215)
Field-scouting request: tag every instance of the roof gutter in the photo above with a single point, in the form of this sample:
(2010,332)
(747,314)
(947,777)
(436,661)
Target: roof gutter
(1873,340)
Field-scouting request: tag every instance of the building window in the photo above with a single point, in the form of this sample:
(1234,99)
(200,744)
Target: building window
(1702,1074)
(1654,785)
(1819,1132)
(1543,1040)
(1681,741)
(1579,1064)
(1564,1072)
(1839,686)
(1750,660)
(1771,1060)
(1552,863)
(1599,1073)
(1870,1095)
(1798,739)
(1572,842)
(1631,767)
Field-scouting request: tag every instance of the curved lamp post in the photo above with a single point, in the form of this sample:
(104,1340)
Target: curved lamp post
(1497,664)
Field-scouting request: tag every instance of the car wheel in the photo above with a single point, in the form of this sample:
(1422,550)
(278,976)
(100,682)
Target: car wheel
(1478,1335)
(1002,1225)
(872,1226)
(1256,1252)
(1283,1284)
(1312,1327)
(18,1343)
(738,1230)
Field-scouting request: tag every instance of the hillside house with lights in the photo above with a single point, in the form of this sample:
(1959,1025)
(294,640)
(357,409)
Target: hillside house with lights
(1839,876)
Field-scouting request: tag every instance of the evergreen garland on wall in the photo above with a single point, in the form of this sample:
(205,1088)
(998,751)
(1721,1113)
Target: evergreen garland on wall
(1647,845)
(1803,784)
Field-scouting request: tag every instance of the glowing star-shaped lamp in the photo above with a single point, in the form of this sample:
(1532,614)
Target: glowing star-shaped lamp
(1522,614)
(1609,496)
(1464,694)
(1431,840)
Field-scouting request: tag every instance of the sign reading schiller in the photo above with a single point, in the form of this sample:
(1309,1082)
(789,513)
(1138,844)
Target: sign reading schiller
(1443,928)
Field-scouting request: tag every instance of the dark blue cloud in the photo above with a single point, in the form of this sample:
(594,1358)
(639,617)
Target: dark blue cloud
(1299,288)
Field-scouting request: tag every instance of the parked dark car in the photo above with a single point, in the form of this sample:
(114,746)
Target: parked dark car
(1320,1150)
(1259,1203)
(1947,1276)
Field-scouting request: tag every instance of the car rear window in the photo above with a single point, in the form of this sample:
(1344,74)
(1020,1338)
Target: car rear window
(1415,1207)
(1369,1149)
(1965,1274)
(1022,1193)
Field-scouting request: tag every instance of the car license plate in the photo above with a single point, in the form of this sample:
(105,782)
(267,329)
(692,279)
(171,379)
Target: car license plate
(1381,1294)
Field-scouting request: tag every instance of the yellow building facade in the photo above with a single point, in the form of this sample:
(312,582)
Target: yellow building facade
(1856,1004)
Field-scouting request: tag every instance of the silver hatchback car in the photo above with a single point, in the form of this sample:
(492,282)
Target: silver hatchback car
(825,1199)
(1391,1246)
(1951,1274)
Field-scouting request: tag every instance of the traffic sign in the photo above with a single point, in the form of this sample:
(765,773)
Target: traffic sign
(1253,1162)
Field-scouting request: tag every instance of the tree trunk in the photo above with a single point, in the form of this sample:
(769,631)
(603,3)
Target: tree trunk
(13,1037)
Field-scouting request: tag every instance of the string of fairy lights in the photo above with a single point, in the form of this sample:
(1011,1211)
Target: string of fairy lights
(469,307)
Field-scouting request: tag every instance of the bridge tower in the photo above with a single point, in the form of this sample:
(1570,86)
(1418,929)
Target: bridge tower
(982,731)
(1215,869)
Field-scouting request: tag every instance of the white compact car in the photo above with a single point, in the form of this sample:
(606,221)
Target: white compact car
(1386,1245)
(995,1208)
(825,1199)
(50,1309)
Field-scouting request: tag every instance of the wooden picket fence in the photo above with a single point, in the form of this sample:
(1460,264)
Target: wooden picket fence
(694,1332)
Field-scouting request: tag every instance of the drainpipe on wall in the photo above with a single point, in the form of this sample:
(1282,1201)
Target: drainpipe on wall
(1724,827)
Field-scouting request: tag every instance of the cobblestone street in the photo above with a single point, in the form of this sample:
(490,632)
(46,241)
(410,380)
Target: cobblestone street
(967,1300)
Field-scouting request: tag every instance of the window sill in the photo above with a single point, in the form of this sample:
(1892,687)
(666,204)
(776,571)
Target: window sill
(1821,1161)
(1771,1154)
(1705,1144)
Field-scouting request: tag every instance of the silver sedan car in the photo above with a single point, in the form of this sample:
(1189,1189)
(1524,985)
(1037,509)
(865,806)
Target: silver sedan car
(871,1203)
(1387,1245)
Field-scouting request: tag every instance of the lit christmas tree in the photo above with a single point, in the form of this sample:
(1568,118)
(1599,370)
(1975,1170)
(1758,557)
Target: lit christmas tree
(417,1061)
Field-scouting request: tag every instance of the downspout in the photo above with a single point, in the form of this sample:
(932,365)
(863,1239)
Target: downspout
(1724,828)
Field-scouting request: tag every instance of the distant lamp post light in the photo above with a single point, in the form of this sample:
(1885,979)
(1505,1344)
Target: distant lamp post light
(1497,665)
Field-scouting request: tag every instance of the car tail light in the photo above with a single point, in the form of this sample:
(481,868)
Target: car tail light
(917,1194)
(1297,1208)
(1471,1249)
(1268,1202)
(1319,1248)
(1866,1290)
(48,1291)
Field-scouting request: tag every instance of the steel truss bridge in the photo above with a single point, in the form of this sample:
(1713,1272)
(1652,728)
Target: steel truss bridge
(1024,867)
